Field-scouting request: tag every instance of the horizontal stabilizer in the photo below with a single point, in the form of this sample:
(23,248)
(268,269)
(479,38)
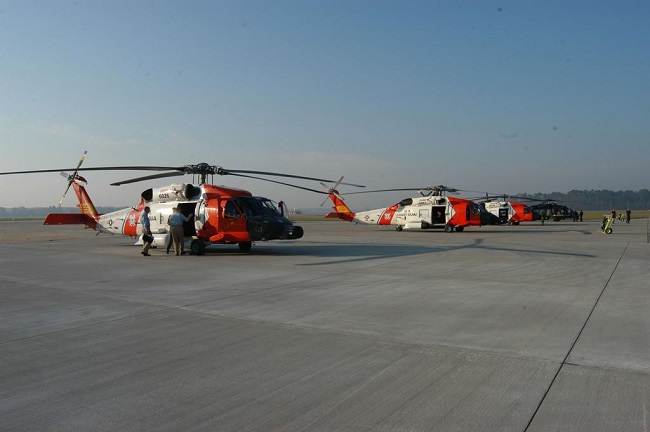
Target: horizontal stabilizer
(70,219)
(340,216)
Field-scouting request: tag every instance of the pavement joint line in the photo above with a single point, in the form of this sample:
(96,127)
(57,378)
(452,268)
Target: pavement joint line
(387,340)
(584,325)
(187,308)
(86,326)
(164,308)
(421,346)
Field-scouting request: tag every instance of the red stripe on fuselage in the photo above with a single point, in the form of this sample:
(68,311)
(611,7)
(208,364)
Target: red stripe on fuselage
(131,223)
(387,216)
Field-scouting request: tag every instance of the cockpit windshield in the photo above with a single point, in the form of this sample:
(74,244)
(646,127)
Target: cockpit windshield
(477,209)
(258,206)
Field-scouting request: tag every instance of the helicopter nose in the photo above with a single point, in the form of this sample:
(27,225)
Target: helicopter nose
(285,230)
(273,228)
(295,232)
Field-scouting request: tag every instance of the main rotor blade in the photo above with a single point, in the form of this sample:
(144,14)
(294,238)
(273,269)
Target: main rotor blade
(383,190)
(187,169)
(229,171)
(279,182)
(414,189)
(181,169)
(107,168)
(149,177)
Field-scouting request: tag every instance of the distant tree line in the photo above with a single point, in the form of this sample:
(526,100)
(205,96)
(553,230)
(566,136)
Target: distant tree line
(598,199)
(44,211)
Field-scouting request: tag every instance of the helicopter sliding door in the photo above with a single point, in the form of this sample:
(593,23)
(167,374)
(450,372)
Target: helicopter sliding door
(234,220)
(503,215)
(438,215)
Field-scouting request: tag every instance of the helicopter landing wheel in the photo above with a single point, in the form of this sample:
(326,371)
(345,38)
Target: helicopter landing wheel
(245,246)
(197,247)
(608,231)
(449,228)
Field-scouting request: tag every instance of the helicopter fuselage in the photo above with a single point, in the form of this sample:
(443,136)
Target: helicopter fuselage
(427,212)
(509,212)
(220,215)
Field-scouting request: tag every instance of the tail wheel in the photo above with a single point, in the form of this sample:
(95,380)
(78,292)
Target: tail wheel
(460,228)
(449,228)
(245,246)
(608,231)
(197,247)
(399,228)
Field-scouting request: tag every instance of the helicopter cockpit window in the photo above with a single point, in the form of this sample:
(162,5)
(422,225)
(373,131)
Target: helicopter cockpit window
(258,206)
(406,202)
(231,211)
(271,206)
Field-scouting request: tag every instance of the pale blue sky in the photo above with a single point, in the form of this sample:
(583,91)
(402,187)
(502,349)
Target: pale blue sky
(502,96)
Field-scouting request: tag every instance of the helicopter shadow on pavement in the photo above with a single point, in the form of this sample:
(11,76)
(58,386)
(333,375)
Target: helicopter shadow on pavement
(353,252)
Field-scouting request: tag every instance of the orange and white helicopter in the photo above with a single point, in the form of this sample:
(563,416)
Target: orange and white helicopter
(433,209)
(222,214)
(507,211)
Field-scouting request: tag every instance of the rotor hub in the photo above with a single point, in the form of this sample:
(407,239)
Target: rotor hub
(203,168)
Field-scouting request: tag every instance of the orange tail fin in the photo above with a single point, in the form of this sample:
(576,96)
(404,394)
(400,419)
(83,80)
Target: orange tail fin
(85,203)
(341,210)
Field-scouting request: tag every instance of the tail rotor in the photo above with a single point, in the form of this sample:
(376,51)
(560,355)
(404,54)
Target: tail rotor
(72,177)
(331,190)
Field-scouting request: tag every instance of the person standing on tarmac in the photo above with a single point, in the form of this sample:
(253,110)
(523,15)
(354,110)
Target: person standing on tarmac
(145,227)
(628,215)
(176,221)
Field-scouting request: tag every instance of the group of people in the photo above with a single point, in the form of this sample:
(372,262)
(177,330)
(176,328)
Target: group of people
(576,215)
(176,230)
(626,218)
(621,217)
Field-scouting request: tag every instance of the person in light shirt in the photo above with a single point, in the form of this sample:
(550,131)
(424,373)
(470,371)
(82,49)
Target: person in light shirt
(176,221)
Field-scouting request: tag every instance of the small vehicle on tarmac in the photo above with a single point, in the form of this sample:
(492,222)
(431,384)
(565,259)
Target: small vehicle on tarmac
(606,226)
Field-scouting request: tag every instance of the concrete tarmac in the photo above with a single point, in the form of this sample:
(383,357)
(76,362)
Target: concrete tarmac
(351,328)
